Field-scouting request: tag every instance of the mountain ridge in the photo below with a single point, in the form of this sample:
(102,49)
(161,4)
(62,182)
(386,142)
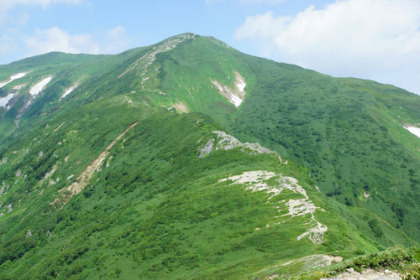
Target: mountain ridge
(154,193)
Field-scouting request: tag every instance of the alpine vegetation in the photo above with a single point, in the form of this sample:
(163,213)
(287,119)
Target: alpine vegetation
(188,159)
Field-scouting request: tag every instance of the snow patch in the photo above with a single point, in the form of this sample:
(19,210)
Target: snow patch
(234,95)
(68,91)
(240,83)
(18,76)
(413,129)
(260,180)
(36,89)
(12,78)
(4,101)
(18,87)
(235,100)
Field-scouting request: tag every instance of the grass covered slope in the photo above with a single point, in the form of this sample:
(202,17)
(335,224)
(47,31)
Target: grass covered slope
(137,173)
(349,133)
(155,208)
(351,139)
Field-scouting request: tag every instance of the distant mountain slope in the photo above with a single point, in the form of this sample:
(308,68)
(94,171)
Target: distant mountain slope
(146,165)
(349,133)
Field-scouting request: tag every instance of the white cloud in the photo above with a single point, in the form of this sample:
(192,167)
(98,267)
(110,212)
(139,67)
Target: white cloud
(363,38)
(7,44)
(211,2)
(261,1)
(6,6)
(56,39)
(117,40)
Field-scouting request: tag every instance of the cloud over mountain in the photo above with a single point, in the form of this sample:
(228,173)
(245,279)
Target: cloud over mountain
(347,38)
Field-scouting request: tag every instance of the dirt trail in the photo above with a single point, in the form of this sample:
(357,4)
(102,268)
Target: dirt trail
(84,177)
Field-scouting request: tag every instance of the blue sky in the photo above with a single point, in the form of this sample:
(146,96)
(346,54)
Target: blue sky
(372,39)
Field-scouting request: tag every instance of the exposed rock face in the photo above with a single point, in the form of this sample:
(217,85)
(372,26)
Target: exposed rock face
(368,274)
(261,181)
(145,67)
(227,142)
(4,187)
(3,161)
(181,107)
(314,261)
(207,149)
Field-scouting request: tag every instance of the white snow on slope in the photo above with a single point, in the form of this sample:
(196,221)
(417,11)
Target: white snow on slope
(234,95)
(68,91)
(413,129)
(5,100)
(240,83)
(12,78)
(36,89)
(18,76)
(235,100)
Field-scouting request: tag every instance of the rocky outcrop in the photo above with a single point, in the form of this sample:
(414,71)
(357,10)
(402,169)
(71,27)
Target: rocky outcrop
(227,142)
(260,180)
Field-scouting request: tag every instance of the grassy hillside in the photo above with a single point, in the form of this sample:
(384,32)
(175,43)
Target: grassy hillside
(155,209)
(349,133)
(352,141)
(132,174)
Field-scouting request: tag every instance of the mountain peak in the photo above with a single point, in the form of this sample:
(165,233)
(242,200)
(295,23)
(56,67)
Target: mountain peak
(180,37)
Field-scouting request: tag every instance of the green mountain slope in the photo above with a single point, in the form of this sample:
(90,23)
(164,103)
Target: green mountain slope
(349,133)
(144,170)
(353,142)
(154,208)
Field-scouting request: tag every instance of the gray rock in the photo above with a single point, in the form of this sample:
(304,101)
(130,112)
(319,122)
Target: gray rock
(207,149)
